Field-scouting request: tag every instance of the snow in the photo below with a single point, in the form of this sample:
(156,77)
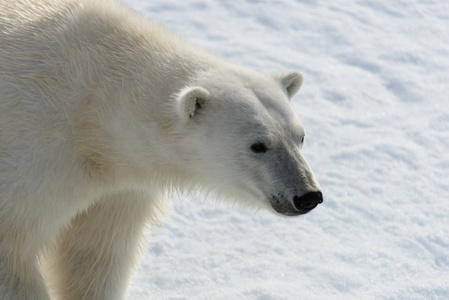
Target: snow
(375,105)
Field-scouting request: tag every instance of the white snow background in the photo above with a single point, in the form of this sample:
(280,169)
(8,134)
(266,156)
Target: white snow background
(375,104)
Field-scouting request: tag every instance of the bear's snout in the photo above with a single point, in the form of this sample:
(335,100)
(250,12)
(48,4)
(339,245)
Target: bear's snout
(307,202)
(298,205)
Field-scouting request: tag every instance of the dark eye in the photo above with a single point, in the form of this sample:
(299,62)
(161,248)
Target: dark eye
(259,148)
(302,139)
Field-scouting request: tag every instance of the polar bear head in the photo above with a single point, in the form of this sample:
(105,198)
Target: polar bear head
(241,136)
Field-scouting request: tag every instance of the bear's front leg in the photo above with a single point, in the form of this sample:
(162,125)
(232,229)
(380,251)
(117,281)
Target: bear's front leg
(94,256)
(20,280)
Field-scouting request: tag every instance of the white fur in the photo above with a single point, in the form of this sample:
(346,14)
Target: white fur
(99,119)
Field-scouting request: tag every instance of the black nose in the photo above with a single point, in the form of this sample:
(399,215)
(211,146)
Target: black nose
(308,201)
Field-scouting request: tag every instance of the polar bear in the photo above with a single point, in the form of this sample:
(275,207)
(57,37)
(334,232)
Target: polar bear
(102,114)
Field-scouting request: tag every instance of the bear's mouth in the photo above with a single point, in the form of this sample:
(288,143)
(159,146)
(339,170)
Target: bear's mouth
(286,208)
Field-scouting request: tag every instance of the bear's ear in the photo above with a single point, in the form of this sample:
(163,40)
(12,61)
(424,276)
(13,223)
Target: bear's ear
(192,100)
(291,81)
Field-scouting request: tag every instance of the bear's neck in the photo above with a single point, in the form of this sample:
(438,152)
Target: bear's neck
(129,75)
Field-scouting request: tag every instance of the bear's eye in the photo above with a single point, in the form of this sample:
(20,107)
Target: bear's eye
(302,139)
(259,148)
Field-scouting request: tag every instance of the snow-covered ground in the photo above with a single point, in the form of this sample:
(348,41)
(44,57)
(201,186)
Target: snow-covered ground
(375,105)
